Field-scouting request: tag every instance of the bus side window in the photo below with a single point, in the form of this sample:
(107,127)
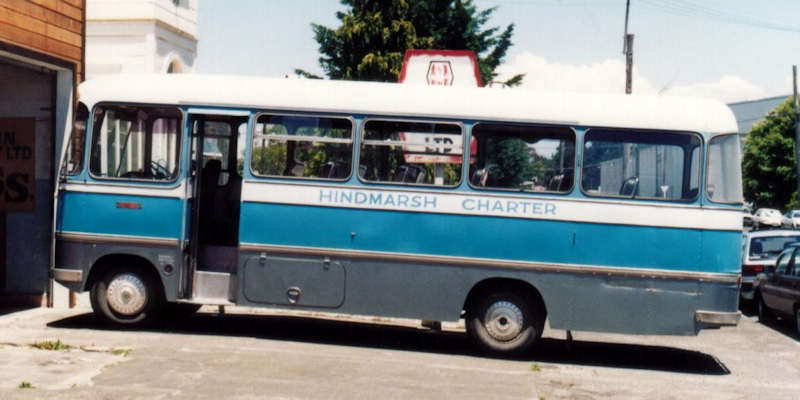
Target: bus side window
(405,152)
(135,143)
(73,161)
(663,166)
(302,147)
(521,157)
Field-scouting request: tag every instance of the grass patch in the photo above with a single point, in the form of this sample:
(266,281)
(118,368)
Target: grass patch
(121,352)
(535,367)
(25,385)
(52,345)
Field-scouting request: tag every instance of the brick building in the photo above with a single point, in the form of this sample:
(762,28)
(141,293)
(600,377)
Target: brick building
(42,47)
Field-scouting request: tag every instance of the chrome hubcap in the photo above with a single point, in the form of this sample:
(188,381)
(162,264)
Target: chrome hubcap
(503,320)
(126,294)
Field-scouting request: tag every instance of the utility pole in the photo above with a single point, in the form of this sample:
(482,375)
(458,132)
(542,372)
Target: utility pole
(627,49)
(796,129)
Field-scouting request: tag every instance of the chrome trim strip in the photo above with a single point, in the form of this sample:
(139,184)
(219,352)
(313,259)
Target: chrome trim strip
(495,263)
(115,239)
(170,192)
(717,318)
(67,275)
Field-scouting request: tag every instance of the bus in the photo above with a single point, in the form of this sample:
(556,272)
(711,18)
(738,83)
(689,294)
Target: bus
(502,207)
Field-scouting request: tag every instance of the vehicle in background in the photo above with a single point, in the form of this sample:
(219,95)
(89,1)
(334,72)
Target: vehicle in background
(748,221)
(791,220)
(759,251)
(767,217)
(777,289)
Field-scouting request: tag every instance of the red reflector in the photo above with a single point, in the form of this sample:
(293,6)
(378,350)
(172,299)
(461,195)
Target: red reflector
(752,269)
(130,205)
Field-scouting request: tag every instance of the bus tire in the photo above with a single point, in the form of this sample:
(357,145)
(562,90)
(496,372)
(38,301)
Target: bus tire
(505,323)
(127,297)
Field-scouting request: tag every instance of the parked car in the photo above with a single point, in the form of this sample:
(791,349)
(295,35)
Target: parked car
(791,220)
(767,217)
(747,219)
(777,289)
(759,251)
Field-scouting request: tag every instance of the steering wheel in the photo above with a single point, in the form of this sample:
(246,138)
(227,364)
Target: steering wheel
(158,170)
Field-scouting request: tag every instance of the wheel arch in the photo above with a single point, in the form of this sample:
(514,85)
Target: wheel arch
(495,284)
(108,261)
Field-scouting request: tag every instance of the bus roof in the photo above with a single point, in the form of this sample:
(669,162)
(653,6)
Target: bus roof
(391,99)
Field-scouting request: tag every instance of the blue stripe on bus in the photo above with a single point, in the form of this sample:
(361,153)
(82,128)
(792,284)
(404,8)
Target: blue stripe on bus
(101,214)
(491,237)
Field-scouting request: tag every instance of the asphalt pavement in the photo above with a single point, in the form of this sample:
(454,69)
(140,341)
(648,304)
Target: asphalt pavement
(268,354)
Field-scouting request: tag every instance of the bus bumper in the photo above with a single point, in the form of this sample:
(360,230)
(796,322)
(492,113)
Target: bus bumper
(67,277)
(716,319)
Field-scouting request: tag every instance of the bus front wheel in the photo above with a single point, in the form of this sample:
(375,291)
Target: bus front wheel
(127,297)
(504,323)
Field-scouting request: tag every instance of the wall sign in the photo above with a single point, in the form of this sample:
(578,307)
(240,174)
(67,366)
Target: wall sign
(17,164)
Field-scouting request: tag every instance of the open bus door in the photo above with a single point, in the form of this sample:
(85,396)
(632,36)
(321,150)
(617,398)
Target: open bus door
(213,200)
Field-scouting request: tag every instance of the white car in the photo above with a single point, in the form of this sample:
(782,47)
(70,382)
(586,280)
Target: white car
(791,220)
(759,250)
(767,217)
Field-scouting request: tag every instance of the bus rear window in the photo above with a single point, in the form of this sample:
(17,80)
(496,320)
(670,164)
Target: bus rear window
(724,180)
(633,164)
(404,152)
(135,143)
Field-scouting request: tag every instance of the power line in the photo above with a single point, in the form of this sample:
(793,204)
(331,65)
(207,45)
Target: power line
(687,8)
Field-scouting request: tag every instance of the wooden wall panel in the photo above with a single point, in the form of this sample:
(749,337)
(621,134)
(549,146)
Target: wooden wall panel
(52,27)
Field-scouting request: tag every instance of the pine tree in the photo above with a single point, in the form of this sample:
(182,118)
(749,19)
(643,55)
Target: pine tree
(374,35)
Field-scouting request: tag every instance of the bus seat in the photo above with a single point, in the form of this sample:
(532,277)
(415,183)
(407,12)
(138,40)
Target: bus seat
(211,172)
(629,187)
(479,177)
(554,184)
(409,174)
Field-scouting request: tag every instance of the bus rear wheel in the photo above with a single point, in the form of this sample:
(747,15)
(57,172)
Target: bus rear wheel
(127,297)
(505,323)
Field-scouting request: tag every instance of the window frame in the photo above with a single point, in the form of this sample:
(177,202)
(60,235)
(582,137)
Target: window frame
(250,149)
(574,159)
(362,141)
(70,145)
(642,131)
(708,164)
(179,145)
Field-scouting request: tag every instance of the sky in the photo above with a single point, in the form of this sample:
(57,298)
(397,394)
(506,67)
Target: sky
(730,50)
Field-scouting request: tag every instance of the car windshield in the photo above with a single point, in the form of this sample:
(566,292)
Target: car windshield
(770,246)
(796,214)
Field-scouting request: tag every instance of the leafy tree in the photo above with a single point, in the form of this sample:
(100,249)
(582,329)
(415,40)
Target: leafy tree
(374,35)
(768,165)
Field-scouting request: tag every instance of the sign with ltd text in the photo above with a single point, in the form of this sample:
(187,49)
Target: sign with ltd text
(17,164)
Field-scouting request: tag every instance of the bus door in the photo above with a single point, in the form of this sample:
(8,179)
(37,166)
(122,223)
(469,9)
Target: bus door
(213,224)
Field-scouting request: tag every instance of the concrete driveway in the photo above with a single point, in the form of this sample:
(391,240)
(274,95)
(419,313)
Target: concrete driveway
(276,355)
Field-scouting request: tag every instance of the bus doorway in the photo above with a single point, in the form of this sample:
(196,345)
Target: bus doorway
(216,153)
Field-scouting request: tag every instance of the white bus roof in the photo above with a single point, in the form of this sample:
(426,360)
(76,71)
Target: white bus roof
(599,110)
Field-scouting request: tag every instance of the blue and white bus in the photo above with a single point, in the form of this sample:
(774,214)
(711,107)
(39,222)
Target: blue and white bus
(505,208)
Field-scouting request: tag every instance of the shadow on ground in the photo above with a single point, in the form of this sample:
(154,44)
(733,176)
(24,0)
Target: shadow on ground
(347,333)
(784,326)
(8,309)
